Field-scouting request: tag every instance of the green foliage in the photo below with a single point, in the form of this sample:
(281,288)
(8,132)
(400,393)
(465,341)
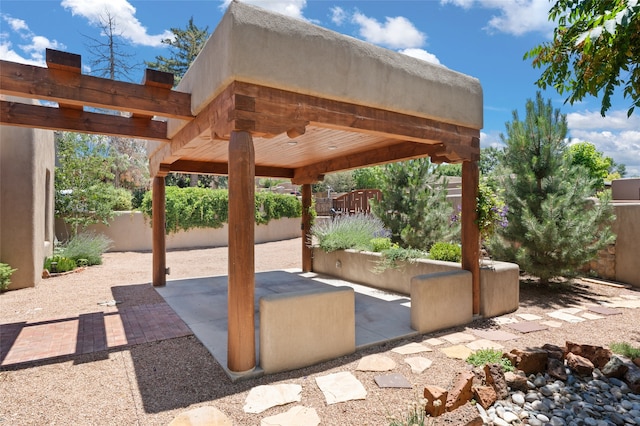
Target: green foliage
(62,264)
(368,177)
(553,227)
(189,208)
(490,159)
(122,200)
(596,164)
(347,232)
(82,195)
(450,170)
(184,47)
(625,349)
(5,276)
(86,248)
(491,211)
(271,206)
(489,356)
(338,182)
(379,244)
(414,205)
(448,252)
(595,49)
(396,256)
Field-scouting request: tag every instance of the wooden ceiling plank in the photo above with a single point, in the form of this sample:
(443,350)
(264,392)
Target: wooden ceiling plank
(387,154)
(25,115)
(66,87)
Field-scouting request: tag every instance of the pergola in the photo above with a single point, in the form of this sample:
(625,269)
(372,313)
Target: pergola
(268,96)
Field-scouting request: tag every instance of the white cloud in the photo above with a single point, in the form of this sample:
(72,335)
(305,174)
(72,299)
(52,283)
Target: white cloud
(396,33)
(32,51)
(515,17)
(123,12)
(616,136)
(338,15)
(291,8)
(421,54)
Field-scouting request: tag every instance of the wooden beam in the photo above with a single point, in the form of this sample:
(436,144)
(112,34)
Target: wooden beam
(76,120)
(273,108)
(156,78)
(241,356)
(65,61)
(68,87)
(201,167)
(470,231)
(307,259)
(388,154)
(158,230)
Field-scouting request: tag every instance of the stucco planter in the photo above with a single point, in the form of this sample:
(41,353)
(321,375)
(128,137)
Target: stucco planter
(499,281)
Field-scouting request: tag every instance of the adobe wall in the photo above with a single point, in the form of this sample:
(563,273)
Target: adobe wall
(27,160)
(625,189)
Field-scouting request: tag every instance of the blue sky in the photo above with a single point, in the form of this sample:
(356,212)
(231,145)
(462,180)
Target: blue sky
(483,38)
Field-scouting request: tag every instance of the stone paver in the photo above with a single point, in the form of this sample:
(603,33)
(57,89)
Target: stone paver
(505,320)
(563,316)
(434,342)
(458,352)
(603,310)
(393,380)
(263,397)
(296,416)
(551,323)
(527,326)
(376,363)
(476,345)
(201,416)
(411,348)
(495,335)
(529,317)
(341,387)
(418,364)
(457,338)
(591,316)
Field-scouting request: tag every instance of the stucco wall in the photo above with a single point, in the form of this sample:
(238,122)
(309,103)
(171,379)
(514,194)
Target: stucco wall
(130,232)
(626,189)
(627,249)
(27,159)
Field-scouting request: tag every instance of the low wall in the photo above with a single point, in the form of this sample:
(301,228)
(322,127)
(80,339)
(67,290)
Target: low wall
(302,328)
(129,231)
(499,281)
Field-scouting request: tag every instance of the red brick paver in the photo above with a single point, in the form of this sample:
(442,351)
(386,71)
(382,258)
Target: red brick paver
(86,333)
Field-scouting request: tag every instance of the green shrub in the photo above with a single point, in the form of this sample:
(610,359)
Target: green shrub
(446,251)
(392,257)
(489,356)
(122,200)
(348,232)
(189,208)
(86,248)
(625,349)
(5,276)
(137,196)
(63,264)
(380,243)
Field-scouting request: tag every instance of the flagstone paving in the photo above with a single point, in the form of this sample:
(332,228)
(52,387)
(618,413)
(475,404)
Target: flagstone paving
(393,380)
(341,387)
(418,364)
(411,348)
(296,416)
(527,326)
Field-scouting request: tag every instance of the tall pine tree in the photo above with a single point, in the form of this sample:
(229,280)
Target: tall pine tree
(414,205)
(554,228)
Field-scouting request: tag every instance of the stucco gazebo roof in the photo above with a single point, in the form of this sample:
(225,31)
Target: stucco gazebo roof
(345,103)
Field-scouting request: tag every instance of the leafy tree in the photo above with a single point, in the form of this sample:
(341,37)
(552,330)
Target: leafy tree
(84,194)
(595,48)
(368,177)
(338,182)
(450,169)
(597,165)
(490,159)
(553,226)
(414,204)
(185,46)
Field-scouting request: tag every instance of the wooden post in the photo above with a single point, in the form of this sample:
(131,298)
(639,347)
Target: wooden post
(307,260)
(159,247)
(470,230)
(241,355)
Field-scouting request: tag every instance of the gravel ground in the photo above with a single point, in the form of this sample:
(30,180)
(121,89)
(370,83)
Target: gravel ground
(150,384)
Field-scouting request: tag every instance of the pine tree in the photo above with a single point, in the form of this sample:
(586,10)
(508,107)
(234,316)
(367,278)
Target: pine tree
(554,228)
(414,205)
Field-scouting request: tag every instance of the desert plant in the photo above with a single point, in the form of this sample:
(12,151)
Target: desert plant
(348,232)
(5,276)
(489,356)
(415,414)
(625,349)
(448,252)
(379,244)
(393,257)
(86,248)
(59,263)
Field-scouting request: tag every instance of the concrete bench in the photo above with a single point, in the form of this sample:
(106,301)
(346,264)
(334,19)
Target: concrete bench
(441,300)
(302,328)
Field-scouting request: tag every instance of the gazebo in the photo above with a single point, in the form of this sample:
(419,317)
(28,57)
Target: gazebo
(269,96)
